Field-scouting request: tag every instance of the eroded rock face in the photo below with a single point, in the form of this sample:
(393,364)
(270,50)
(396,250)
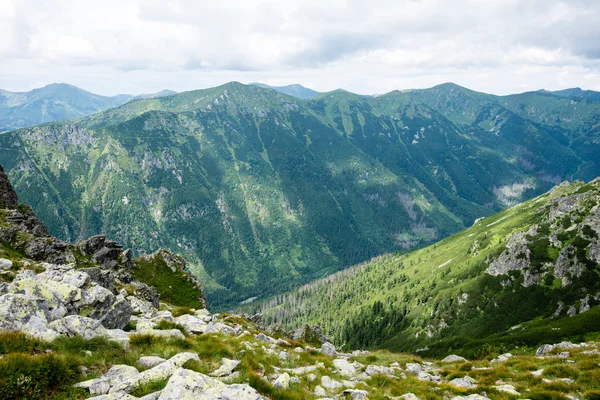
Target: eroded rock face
(8,197)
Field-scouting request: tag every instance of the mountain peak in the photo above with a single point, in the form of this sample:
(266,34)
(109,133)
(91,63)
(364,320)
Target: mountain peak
(295,90)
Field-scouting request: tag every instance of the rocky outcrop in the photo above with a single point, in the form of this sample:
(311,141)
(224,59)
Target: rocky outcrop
(8,197)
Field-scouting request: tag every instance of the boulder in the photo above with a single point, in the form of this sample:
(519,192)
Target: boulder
(17,309)
(329,383)
(454,358)
(409,396)
(413,368)
(344,367)
(379,369)
(283,381)
(186,384)
(76,325)
(168,333)
(543,350)
(328,349)
(5,264)
(192,324)
(150,361)
(226,368)
(465,383)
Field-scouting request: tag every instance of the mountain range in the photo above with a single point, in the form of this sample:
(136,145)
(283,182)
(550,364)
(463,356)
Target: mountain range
(50,103)
(295,90)
(262,191)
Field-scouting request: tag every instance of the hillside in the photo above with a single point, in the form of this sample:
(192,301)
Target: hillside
(83,321)
(262,192)
(526,275)
(50,103)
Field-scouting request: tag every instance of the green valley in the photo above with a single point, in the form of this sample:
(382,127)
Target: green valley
(262,192)
(524,276)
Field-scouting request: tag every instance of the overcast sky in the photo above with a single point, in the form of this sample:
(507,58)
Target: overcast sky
(142,46)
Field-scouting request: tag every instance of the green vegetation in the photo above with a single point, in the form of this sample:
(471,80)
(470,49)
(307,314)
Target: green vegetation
(443,298)
(262,192)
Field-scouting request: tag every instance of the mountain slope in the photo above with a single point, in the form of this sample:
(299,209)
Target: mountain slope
(162,93)
(262,191)
(576,92)
(50,103)
(295,90)
(506,280)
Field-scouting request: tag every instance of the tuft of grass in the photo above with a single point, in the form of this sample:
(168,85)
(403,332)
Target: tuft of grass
(15,341)
(150,387)
(165,325)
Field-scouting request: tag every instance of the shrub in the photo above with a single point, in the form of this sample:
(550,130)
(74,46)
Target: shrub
(35,377)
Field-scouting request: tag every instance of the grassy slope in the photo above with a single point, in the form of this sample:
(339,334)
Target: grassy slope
(394,301)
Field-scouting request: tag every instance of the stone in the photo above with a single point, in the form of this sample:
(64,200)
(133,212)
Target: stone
(502,358)
(118,314)
(299,350)
(283,355)
(5,264)
(413,368)
(409,396)
(454,358)
(538,373)
(466,383)
(76,325)
(355,394)
(510,389)
(379,369)
(119,373)
(95,386)
(320,392)
(187,385)
(192,324)
(38,328)
(471,397)
(283,381)
(543,350)
(328,349)
(150,361)
(329,383)
(160,372)
(344,367)
(226,368)
(8,197)
(264,338)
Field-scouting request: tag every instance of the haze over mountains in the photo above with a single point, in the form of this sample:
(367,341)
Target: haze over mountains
(262,191)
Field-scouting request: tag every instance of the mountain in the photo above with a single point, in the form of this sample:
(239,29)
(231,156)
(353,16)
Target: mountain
(576,92)
(296,90)
(162,93)
(52,102)
(262,192)
(523,276)
(83,321)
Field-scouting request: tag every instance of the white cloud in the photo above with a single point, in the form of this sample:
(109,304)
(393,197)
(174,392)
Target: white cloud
(373,46)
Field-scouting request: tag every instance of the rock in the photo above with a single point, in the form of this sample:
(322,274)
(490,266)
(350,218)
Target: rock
(118,314)
(328,349)
(8,197)
(454,358)
(409,396)
(150,361)
(192,324)
(118,335)
(543,350)
(563,355)
(160,372)
(471,397)
(226,368)
(283,355)
(38,327)
(119,373)
(311,377)
(344,367)
(264,338)
(146,293)
(221,327)
(378,369)
(186,384)
(76,325)
(139,306)
(320,392)
(283,381)
(5,264)
(299,350)
(329,383)
(466,383)
(510,389)
(414,369)
(95,386)
(502,358)
(539,372)
(355,394)
(309,334)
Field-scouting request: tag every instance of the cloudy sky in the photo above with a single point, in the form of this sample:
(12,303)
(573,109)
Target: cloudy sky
(142,46)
